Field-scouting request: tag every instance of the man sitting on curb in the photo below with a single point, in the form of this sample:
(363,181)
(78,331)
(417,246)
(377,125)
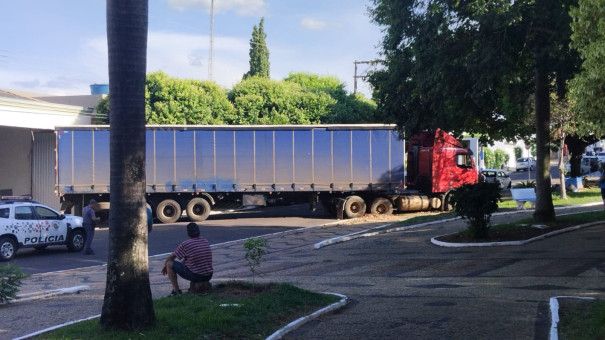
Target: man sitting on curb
(196,257)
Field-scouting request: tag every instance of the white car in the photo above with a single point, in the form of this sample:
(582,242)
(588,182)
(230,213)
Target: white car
(526,163)
(497,176)
(25,223)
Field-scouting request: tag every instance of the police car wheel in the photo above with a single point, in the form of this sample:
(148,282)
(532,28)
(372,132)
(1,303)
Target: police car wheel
(76,240)
(8,248)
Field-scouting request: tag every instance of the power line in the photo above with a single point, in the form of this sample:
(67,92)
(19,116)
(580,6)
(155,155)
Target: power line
(364,76)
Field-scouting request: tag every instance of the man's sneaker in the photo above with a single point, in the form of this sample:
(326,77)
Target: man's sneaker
(89,252)
(177,292)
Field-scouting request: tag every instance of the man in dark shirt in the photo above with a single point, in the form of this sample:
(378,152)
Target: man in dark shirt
(196,260)
(89,220)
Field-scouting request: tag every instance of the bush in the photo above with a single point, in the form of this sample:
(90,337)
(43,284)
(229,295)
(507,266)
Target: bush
(10,282)
(528,184)
(255,251)
(476,203)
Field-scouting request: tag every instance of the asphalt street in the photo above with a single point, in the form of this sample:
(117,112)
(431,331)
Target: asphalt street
(399,284)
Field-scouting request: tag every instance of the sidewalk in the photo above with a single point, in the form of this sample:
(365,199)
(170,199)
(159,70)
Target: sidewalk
(399,284)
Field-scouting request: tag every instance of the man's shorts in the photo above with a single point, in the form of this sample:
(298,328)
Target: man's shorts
(187,274)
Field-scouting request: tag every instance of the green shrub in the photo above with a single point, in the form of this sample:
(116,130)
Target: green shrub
(528,184)
(10,282)
(255,250)
(476,203)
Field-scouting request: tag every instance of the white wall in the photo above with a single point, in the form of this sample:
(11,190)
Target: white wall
(15,155)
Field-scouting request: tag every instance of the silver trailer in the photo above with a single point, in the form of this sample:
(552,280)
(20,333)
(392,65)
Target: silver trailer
(199,168)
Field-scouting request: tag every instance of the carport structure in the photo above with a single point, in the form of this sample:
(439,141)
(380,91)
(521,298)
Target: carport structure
(27,144)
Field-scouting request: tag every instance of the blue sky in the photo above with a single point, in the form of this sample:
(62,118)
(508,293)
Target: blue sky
(60,47)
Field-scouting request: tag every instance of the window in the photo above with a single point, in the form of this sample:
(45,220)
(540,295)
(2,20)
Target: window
(464,160)
(4,212)
(24,213)
(46,214)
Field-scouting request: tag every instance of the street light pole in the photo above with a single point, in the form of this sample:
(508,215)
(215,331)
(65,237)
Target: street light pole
(211,50)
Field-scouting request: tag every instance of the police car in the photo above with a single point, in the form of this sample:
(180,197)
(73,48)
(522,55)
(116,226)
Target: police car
(25,223)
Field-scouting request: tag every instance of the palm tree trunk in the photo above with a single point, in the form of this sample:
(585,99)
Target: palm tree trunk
(128,300)
(545,211)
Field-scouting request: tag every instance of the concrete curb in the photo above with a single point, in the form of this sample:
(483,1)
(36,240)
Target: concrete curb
(45,294)
(303,320)
(27,336)
(554,314)
(510,243)
(375,231)
(275,336)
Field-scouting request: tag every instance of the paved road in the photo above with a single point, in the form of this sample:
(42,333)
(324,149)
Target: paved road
(164,238)
(400,285)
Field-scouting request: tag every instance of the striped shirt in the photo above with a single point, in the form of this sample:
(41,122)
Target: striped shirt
(196,255)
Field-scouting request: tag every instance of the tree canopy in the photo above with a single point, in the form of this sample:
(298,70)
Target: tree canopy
(588,87)
(185,101)
(259,52)
(474,66)
(301,98)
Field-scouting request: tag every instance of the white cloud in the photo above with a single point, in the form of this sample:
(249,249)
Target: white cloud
(313,24)
(241,7)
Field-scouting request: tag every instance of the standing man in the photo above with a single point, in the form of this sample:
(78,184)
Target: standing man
(601,183)
(196,260)
(89,222)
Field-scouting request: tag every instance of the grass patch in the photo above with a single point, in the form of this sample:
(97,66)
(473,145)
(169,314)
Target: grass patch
(524,229)
(581,319)
(584,196)
(248,312)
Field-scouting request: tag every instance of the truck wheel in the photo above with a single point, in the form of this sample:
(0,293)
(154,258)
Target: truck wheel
(168,211)
(198,209)
(448,205)
(354,207)
(76,240)
(381,206)
(8,248)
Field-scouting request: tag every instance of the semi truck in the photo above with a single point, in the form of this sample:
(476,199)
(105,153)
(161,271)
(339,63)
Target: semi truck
(349,169)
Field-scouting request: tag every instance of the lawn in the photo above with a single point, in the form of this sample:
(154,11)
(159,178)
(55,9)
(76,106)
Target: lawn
(581,319)
(233,310)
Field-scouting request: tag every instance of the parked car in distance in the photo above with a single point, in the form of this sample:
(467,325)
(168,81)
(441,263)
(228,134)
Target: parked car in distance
(601,157)
(590,164)
(25,223)
(526,163)
(497,176)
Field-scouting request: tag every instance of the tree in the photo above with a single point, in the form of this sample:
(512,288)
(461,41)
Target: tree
(128,302)
(564,124)
(259,53)
(185,101)
(347,108)
(265,101)
(473,66)
(588,87)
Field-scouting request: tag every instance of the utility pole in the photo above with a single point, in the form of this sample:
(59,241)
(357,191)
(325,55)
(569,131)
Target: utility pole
(363,77)
(211,50)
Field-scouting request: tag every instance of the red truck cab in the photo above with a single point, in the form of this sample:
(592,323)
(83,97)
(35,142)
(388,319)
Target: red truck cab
(438,163)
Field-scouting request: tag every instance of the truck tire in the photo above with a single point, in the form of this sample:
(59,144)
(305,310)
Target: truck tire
(354,207)
(448,205)
(198,209)
(8,248)
(76,240)
(168,211)
(381,206)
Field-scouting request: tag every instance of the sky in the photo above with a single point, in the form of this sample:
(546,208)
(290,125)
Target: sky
(59,47)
